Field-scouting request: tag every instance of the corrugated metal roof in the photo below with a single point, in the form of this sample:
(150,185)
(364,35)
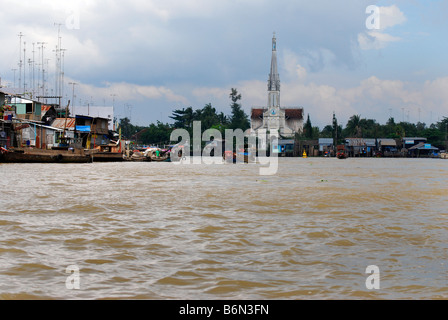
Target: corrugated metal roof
(423,146)
(360,142)
(414,138)
(10,91)
(286,141)
(61,122)
(355,142)
(387,142)
(326,141)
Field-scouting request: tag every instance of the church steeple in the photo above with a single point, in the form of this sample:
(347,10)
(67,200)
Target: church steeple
(274,78)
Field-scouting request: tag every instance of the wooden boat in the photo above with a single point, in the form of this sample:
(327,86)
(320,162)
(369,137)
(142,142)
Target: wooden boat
(105,156)
(341,152)
(157,155)
(58,155)
(341,155)
(107,153)
(237,157)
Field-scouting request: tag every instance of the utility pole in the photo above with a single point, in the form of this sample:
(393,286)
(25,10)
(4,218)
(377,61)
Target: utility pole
(47,66)
(33,82)
(73,84)
(24,68)
(20,59)
(43,66)
(62,73)
(58,72)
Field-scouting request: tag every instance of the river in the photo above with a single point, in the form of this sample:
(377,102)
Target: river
(164,231)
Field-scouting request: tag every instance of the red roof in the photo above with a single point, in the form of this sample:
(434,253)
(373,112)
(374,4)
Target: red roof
(294,113)
(257,113)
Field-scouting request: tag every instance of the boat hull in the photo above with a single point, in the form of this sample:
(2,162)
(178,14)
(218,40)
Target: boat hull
(107,157)
(44,156)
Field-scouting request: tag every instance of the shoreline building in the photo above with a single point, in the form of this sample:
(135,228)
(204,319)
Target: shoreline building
(282,122)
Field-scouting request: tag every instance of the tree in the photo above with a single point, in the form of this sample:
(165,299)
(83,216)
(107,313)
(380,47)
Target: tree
(157,134)
(308,128)
(238,119)
(442,126)
(128,129)
(208,117)
(353,128)
(183,118)
(336,130)
(327,132)
(369,128)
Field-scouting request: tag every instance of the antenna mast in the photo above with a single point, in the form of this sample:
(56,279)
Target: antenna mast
(20,59)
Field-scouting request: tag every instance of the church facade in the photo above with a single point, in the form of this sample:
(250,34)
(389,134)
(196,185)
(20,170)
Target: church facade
(278,121)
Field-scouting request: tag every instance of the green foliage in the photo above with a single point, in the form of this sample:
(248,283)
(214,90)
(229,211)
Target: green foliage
(128,129)
(238,119)
(357,127)
(308,129)
(156,134)
(183,119)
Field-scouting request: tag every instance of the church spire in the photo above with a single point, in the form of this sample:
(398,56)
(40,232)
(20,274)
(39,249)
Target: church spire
(274,78)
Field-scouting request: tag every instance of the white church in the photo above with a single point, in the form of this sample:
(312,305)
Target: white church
(281,122)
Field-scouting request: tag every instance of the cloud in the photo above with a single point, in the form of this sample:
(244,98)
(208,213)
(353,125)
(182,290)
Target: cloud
(128,92)
(294,70)
(161,55)
(376,38)
(371,98)
(391,16)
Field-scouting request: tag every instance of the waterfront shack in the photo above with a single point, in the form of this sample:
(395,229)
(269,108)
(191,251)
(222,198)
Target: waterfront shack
(6,134)
(2,98)
(355,147)
(36,135)
(388,147)
(286,147)
(326,147)
(410,142)
(311,147)
(27,109)
(93,131)
(66,128)
(423,150)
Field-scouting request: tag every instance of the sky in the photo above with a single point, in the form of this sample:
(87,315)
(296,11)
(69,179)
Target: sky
(376,59)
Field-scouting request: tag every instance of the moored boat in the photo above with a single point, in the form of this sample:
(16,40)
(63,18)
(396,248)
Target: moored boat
(341,155)
(341,152)
(157,155)
(30,155)
(107,153)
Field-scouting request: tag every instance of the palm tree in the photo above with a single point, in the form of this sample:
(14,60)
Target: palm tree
(353,126)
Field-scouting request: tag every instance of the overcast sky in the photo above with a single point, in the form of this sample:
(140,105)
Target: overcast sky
(151,57)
